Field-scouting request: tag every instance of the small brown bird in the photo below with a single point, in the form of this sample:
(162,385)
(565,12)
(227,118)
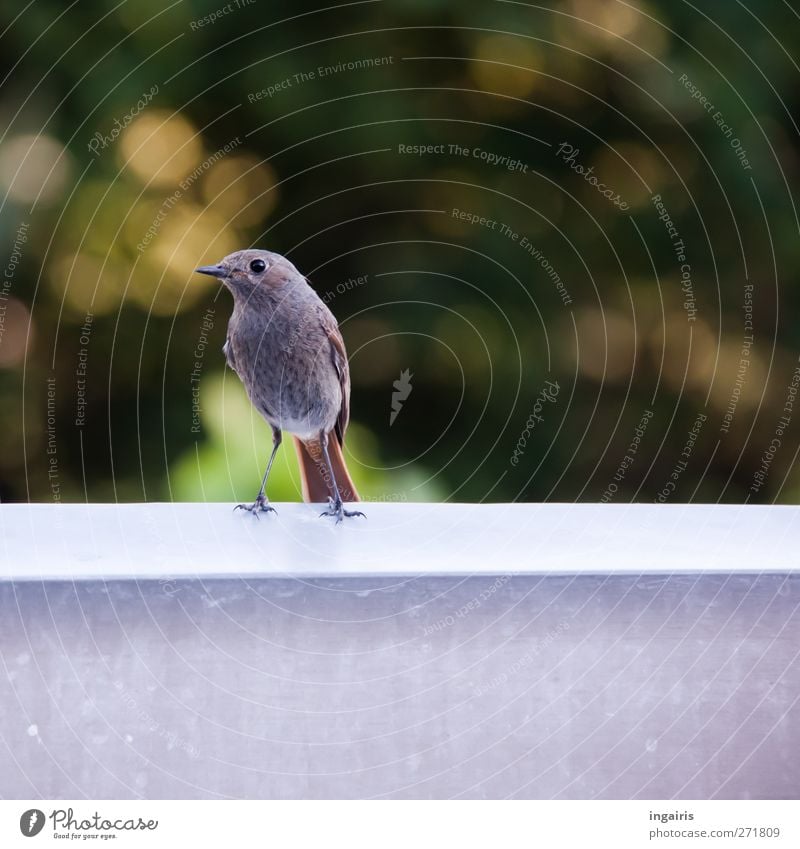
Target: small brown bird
(285,345)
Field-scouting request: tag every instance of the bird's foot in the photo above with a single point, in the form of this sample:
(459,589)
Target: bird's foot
(260,505)
(336,508)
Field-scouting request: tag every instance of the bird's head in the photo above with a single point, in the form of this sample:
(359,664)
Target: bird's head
(244,272)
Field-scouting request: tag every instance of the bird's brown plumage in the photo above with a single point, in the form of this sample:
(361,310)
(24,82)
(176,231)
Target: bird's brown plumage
(284,344)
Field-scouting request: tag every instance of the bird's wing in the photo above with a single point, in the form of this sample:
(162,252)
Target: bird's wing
(227,349)
(339,360)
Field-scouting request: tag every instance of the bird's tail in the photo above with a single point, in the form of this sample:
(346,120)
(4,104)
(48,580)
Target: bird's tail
(314,474)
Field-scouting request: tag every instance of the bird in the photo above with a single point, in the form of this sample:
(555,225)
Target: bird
(285,345)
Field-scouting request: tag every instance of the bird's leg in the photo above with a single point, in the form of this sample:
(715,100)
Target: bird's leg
(261,504)
(335,505)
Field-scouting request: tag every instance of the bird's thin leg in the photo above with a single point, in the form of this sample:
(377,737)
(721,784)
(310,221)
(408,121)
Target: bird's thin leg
(261,504)
(335,505)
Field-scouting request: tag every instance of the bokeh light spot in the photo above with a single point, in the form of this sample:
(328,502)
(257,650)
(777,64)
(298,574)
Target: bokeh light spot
(161,148)
(34,167)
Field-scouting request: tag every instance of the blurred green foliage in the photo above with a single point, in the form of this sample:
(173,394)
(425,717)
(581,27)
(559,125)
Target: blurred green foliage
(112,196)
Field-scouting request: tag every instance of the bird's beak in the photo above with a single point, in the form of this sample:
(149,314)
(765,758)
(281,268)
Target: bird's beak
(212,271)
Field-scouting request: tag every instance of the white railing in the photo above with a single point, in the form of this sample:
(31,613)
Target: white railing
(539,651)
(148,540)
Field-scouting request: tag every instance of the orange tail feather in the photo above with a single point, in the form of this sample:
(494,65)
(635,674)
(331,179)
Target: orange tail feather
(314,475)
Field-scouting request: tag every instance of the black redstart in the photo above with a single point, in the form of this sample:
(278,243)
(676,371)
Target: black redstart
(285,345)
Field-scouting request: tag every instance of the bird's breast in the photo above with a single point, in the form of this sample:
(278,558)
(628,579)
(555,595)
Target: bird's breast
(285,366)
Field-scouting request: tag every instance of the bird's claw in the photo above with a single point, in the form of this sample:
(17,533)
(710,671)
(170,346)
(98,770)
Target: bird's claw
(336,508)
(260,505)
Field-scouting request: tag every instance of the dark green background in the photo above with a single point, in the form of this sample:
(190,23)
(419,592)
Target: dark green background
(476,320)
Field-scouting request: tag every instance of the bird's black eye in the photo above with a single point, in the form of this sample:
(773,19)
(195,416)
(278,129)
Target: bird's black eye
(258,265)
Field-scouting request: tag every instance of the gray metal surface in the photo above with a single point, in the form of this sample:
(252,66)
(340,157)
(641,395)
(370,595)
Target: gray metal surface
(582,687)
(204,540)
